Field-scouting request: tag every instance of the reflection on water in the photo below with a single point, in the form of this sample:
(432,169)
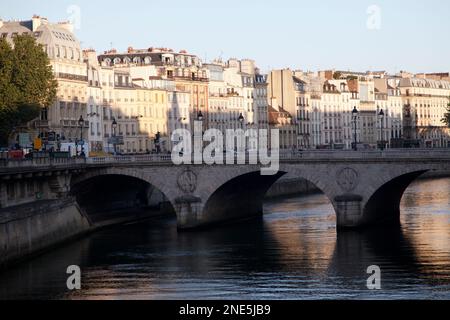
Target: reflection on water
(291,253)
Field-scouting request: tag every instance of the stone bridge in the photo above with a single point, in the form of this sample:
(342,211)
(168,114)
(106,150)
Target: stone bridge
(364,187)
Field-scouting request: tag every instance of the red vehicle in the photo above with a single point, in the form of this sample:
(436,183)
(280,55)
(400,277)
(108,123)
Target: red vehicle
(15,154)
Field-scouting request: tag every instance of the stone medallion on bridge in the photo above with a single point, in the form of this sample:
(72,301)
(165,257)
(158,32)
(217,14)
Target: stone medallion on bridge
(347,179)
(187,181)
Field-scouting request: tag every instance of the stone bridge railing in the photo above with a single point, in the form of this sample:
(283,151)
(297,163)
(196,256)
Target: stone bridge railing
(368,154)
(389,154)
(40,162)
(126,159)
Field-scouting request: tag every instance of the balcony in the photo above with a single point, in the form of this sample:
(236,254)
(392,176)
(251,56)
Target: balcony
(201,79)
(123,85)
(70,76)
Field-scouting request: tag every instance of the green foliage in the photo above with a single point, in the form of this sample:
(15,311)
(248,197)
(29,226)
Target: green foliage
(446,118)
(337,75)
(27,83)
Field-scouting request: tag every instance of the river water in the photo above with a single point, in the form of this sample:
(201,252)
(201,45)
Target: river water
(293,252)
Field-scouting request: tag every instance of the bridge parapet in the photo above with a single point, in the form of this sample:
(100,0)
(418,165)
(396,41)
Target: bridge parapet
(137,158)
(40,162)
(390,155)
(367,154)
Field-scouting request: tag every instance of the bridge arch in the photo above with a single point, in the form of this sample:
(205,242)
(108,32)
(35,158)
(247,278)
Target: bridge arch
(383,206)
(238,193)
(240,197)
(117,189)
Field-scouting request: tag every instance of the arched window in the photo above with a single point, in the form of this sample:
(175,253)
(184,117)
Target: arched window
(117,60)
(107,61)
(137,60)
(126,60)
(147,60)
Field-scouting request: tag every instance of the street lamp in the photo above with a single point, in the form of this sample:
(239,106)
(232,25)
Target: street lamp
(81,124)
(381,116)
(241,119)
(199,116)
(114,126)
(355,118)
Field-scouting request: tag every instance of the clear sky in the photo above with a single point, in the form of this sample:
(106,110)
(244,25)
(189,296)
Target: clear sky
(359,35)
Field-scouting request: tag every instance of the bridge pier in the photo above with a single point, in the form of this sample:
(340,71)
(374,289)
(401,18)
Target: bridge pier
(189,212)
(349,211)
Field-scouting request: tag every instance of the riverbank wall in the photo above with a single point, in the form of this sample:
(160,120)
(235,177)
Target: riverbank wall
(30,229)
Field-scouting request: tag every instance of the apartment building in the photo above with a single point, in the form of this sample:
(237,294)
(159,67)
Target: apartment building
(424,103)
(58,122)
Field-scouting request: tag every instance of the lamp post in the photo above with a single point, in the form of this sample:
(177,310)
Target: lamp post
(381,116)
(355,118)
(241,120)
(81,124)
(199,116)
(113,127)
(157,142)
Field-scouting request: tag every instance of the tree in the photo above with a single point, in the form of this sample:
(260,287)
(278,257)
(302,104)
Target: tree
(446,118)
(27,83)
(337,75)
